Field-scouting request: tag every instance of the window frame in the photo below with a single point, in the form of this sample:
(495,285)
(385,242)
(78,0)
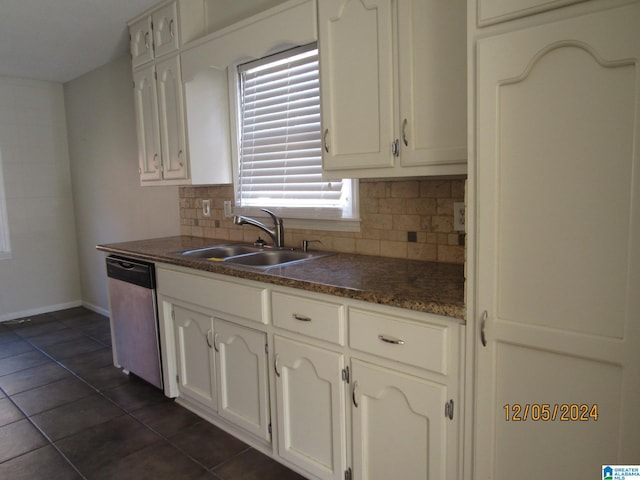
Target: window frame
(5,239)
(307,218)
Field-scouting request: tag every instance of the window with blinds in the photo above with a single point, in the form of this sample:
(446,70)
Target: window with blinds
(5,249)
(280,146)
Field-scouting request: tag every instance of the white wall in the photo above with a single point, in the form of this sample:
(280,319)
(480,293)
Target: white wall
(110,205)
(42,273)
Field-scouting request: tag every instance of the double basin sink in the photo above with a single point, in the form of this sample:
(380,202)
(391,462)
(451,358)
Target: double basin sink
(256,257)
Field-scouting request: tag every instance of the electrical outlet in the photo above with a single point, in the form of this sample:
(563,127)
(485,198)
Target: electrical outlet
(206,208)
(227,209)
(458,216)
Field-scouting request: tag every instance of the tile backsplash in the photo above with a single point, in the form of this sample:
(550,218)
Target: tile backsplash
(400,218)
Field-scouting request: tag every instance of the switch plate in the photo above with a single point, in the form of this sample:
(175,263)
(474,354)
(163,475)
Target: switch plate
(206,208)
(458,216)
(227,209)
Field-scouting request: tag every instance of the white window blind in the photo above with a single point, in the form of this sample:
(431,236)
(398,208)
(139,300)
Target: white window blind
(280,147)
(5,248)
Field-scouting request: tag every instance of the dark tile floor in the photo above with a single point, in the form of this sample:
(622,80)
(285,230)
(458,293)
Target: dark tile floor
(67,413)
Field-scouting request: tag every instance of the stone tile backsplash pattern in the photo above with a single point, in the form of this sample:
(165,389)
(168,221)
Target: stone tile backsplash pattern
(389,210)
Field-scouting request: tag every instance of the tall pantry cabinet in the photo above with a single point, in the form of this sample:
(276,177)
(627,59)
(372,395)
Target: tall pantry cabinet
(555,247)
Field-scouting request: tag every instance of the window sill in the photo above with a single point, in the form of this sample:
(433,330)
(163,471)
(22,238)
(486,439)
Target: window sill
(350,225)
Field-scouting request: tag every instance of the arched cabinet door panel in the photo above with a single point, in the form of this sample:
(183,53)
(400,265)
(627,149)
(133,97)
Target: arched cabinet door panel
(558,259)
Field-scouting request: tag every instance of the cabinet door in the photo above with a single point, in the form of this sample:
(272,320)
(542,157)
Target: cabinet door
(148,129)
(356,82)
(399,427)
(495,11)
(558,260)
(141,42)
(242,377)
(432,58)
(171,119)
(311,408)
(195,360)
(165,30)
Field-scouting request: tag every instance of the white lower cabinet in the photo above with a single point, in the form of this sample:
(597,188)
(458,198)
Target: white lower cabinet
(331,387)
(399,426)
(243,388)
(195,361)
(310,393)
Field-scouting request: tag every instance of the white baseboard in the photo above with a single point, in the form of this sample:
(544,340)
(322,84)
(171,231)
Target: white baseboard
(96,308)
(37,311)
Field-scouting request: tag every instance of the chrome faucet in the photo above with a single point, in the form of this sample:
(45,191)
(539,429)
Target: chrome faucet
(276,233)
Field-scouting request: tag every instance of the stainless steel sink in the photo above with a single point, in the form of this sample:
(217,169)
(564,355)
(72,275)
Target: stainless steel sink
(251,256)
(220,252)
(274,258)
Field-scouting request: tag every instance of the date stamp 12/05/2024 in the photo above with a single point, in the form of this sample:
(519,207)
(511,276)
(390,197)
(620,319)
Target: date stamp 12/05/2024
(550,412)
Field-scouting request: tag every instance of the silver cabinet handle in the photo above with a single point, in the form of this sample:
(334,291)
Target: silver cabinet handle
(155,161)
(353,394)
(448,409)
(301,318)
(216,345)
(171,28)
(391,340)
(483,322)
(395,148)
(404,133)
(275,365)
(207,337)
(324,140)
(180,160)
(146,40)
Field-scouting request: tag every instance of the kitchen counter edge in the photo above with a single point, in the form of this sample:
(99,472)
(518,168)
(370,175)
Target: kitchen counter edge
(429,287)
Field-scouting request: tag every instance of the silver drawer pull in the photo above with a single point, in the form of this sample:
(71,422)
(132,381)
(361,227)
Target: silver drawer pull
(392,340)
(302,318)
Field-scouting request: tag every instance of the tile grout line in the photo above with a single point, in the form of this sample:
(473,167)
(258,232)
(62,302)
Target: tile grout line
(46,437)
(129,413)
(126,412)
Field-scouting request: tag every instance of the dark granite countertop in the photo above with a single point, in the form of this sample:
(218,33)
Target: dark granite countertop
(422,286)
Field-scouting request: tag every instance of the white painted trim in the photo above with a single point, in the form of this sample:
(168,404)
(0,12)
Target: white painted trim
(96,308)
(37,311)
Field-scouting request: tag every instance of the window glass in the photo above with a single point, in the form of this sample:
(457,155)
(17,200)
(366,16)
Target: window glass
(5,248)
(280,144)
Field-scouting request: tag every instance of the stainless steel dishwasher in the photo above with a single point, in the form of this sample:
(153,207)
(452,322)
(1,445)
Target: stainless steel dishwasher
(134,317)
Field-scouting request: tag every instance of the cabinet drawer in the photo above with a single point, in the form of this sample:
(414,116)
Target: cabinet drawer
(423,346)
(228,297)
(315,318)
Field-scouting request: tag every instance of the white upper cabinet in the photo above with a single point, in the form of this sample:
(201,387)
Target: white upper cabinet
(393,87)
(154,35)
(432,80)
(165,30)
(148,128)
(141,42)
(171,118)
(160,122)
(356,72)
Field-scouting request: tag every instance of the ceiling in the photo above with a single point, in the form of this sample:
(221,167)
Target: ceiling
(59,40)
